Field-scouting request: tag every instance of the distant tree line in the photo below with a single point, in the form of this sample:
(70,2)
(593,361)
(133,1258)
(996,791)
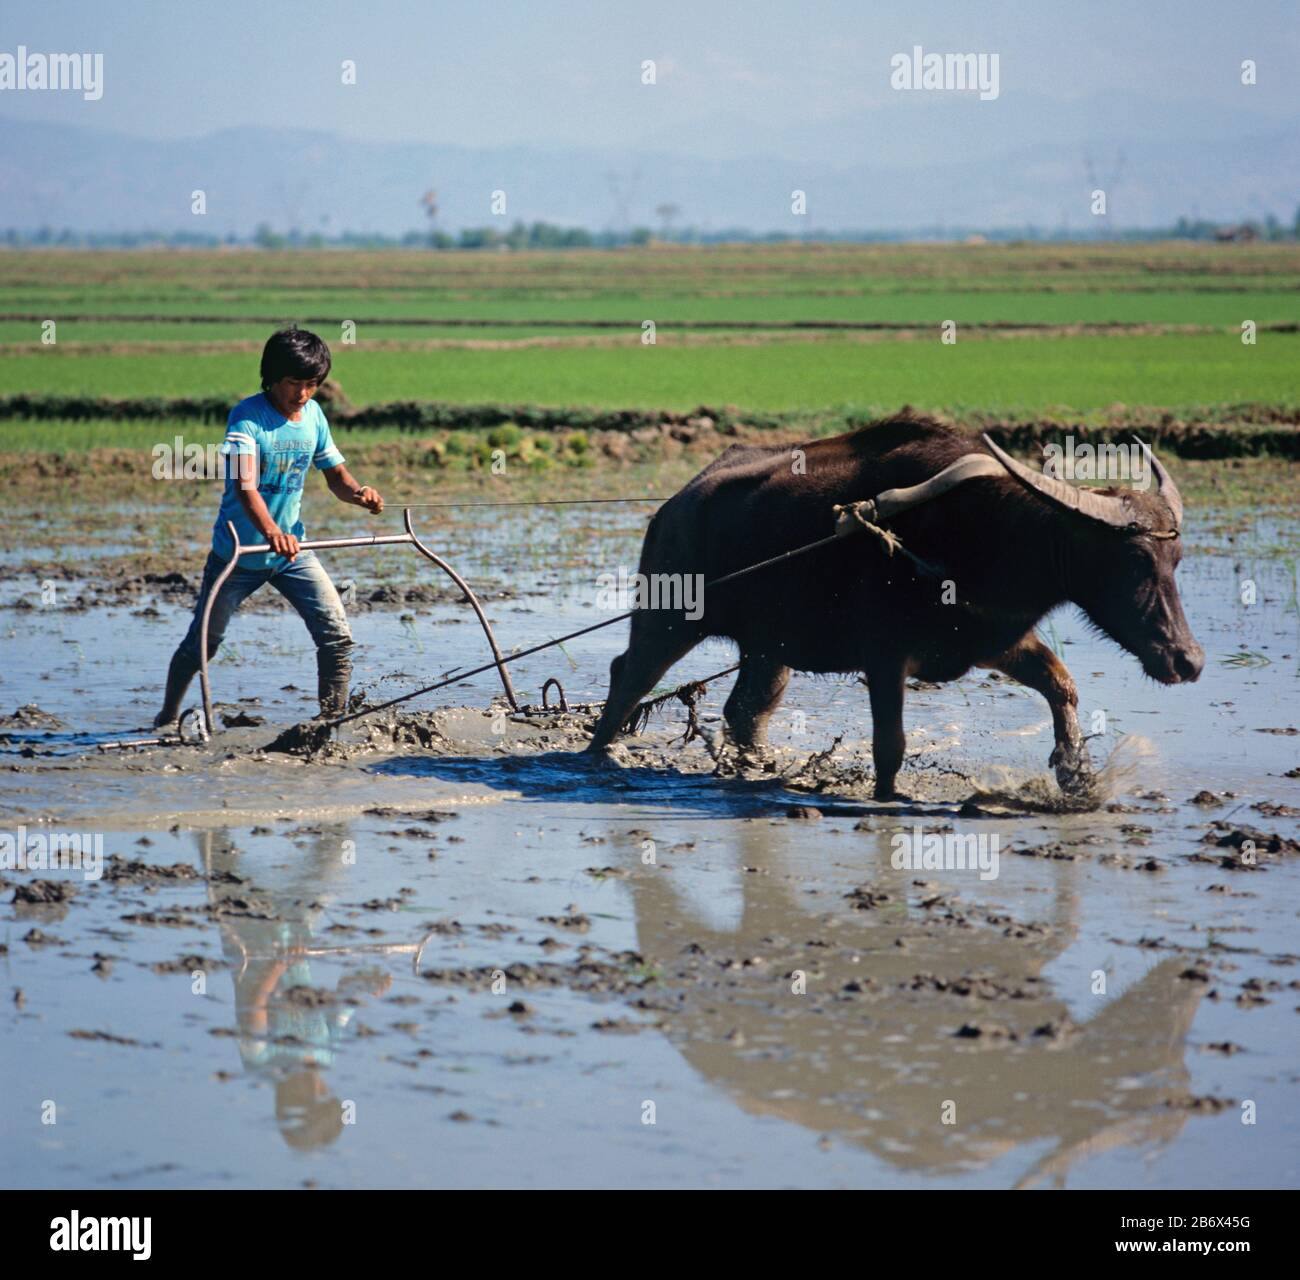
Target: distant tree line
(546,235)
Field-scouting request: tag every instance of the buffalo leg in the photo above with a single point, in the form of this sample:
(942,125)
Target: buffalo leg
(757,692)
(635,672)
(888,740)
(1038,668)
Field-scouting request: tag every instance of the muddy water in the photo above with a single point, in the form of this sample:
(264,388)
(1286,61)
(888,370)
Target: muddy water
(448,952)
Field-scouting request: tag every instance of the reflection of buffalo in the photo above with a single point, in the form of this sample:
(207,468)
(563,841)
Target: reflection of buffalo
(290,1043)
(875,1068)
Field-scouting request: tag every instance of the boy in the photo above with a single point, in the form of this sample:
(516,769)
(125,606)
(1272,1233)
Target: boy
(273,438)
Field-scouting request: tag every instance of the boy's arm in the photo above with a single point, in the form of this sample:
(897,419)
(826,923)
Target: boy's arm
(255,507)
(329,460)
(346,489)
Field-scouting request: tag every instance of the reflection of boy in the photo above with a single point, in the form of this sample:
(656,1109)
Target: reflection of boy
(290,1042)
(308,1114)
(293,1043)
(275,1032)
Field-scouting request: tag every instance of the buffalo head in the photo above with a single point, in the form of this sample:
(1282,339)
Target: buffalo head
(1123,548)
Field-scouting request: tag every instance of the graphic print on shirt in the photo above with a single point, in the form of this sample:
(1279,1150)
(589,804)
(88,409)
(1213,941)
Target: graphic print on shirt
(286,469)
(284,451)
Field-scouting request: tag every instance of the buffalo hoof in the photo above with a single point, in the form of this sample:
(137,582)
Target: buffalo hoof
(1073,769)
(755,755)
(593,757)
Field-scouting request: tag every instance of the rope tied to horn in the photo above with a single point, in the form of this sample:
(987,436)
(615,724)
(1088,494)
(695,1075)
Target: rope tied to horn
(850,517)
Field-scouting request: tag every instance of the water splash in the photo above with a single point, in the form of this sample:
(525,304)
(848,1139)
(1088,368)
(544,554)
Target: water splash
(1089,790)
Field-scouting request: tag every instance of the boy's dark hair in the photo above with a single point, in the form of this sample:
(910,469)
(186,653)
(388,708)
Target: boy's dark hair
(294,353)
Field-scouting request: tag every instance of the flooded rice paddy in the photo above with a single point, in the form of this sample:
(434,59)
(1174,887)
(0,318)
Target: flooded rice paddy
(448,951)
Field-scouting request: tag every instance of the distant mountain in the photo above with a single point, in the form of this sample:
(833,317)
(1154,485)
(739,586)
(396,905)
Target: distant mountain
(919,129)
(921,161)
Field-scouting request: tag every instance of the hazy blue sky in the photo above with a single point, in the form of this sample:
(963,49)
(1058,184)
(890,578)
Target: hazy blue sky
(567,71)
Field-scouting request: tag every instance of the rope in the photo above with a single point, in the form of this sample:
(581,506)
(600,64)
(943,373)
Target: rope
(572,635)
(843,528)
(543,502)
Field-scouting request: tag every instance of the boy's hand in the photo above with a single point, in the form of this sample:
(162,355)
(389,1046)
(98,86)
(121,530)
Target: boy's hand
(284,544)
(346,489)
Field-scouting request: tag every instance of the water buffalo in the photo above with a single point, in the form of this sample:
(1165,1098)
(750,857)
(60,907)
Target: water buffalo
(1006,548)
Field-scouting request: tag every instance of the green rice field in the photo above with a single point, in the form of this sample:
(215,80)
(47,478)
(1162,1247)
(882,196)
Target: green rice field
(1039,329)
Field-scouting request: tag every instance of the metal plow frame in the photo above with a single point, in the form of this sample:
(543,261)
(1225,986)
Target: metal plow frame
(393,539)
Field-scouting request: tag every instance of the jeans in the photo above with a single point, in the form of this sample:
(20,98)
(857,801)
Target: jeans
(305,585)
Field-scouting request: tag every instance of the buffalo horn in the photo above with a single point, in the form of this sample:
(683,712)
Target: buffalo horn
(1167,488)
(1105,507)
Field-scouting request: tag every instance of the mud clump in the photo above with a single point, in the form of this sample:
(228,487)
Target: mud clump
(43,892)
(107,1037)
(309,997)
(618,974)
(187,964)
(865,898)
(980,986)
(393,596)
(987,1032)
(121,869)
(404,730)
(316,741)
(1225,835)
(575,921)
(306,740)
(163,919)
(447,731)
(1207,1105)
(412,815)
(30,716)
(241,720)
(803,812)
(1273,809)
(39,938)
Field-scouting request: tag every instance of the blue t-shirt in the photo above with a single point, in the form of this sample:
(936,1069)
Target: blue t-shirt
(284,451)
